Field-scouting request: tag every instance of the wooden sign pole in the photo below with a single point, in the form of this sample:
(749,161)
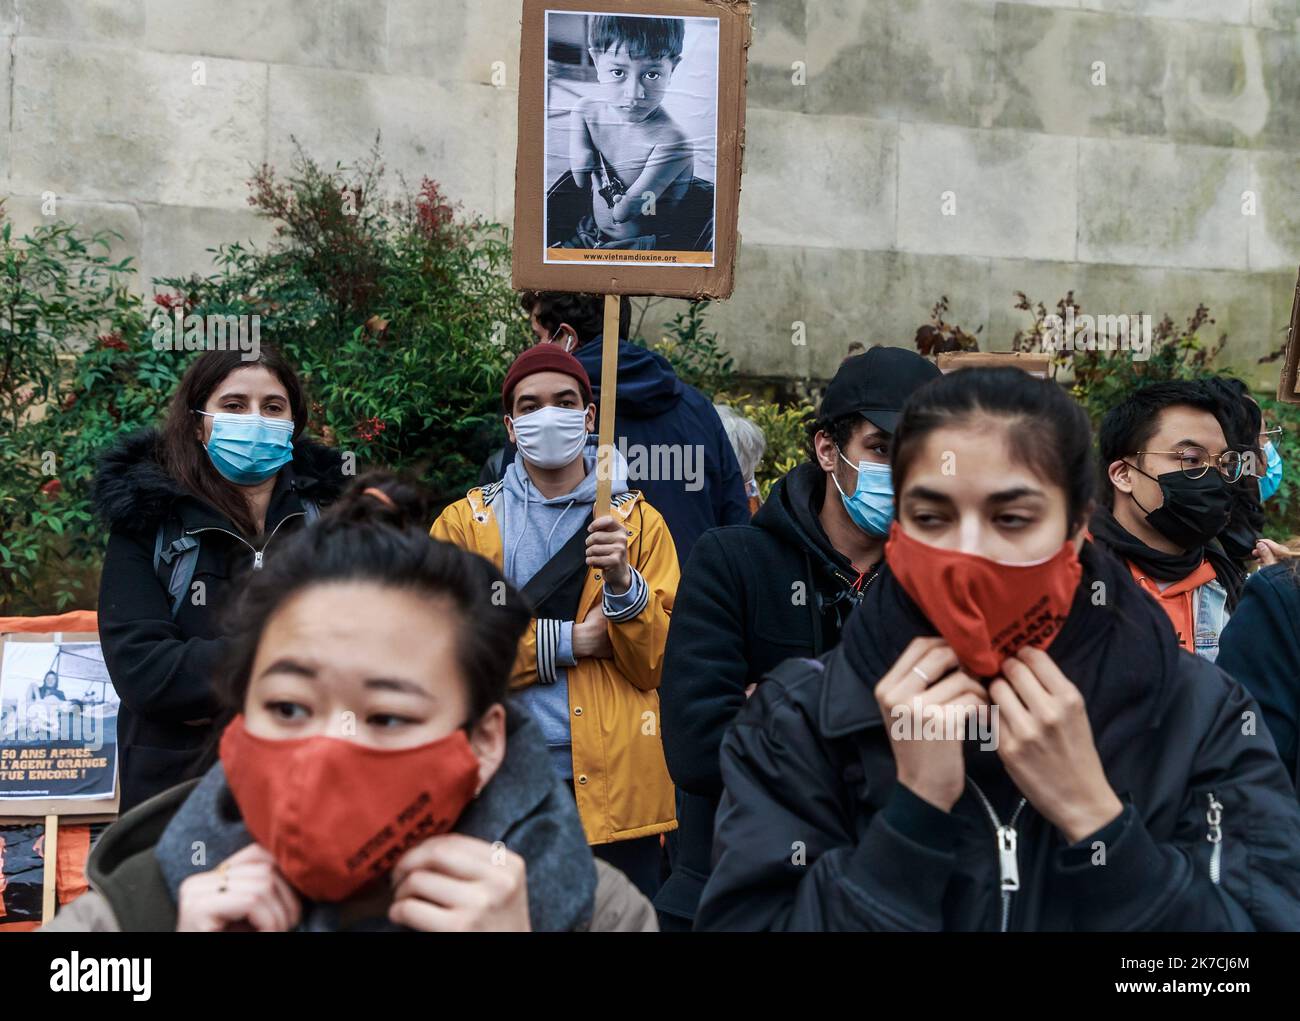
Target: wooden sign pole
(608,397)
(1287,390)
(51,869)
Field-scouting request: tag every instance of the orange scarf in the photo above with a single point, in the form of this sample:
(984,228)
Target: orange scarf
(1178,599)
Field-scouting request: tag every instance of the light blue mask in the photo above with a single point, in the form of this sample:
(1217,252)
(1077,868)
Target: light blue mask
(248,449)
(1272,480)
(872,504)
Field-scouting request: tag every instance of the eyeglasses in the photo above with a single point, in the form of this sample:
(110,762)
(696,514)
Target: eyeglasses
(1194,464)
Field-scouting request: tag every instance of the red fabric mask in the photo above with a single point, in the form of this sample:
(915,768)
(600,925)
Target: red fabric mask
(985,609)
(337,815)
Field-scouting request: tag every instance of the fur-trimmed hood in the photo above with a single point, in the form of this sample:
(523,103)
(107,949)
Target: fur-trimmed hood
(133,491)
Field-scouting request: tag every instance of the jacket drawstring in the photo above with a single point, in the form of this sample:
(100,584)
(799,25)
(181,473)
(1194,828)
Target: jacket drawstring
(568,507)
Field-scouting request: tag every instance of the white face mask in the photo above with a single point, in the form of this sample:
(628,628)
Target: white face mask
(551,437)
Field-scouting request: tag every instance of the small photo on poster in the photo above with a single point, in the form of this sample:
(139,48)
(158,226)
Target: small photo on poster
(58,721)
(631,139)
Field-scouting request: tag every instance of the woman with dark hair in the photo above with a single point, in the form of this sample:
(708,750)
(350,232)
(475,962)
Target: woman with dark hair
(1008,736)
(370,774)
(191,509)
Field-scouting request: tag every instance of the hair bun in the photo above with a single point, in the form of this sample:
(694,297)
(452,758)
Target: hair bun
(380,497)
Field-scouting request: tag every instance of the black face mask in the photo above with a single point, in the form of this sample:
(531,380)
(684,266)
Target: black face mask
(1194,511)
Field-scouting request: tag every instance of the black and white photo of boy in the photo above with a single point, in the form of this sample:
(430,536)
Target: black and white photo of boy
(631,138)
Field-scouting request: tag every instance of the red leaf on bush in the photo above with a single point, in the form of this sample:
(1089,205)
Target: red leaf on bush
(52,488)
(433,212)
(369,428)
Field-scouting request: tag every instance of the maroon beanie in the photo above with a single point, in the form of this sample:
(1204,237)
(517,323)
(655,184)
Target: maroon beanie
(544,358)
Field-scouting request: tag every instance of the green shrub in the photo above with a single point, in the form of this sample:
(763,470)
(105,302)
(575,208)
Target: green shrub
(59,291)
(785,429)
(399,314)
(694,351)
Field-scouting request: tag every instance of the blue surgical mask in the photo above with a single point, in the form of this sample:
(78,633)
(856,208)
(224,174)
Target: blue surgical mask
(248,449)
(1272,480)
(871,506)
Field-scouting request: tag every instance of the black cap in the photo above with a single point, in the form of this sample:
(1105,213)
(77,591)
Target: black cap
(876,385)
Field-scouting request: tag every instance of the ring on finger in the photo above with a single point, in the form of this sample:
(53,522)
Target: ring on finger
(921,674)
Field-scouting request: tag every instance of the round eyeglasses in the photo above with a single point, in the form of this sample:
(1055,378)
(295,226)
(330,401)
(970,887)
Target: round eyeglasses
(1194,463)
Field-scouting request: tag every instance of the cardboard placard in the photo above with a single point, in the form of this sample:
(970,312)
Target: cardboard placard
(631,133)
(1288,384)
(58,727)
(1039,365)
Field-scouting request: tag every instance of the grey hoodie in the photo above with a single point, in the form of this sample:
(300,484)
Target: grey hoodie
(533,529)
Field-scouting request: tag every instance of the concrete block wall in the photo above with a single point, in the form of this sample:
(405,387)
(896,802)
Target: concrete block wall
(147,116)
(1135,193)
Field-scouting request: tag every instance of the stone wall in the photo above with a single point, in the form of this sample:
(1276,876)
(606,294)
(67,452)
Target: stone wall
(1134,193)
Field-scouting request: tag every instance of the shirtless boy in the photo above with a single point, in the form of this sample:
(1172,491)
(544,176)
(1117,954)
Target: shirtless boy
(625,147)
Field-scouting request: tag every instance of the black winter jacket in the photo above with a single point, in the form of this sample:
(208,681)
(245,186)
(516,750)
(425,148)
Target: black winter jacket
(1260,647)
(751,596)
(814,832)
(163,668)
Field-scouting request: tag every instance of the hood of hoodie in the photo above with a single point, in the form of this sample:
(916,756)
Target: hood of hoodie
(791,513)
(132,490)
(523,805)
(647,385)
(520,501)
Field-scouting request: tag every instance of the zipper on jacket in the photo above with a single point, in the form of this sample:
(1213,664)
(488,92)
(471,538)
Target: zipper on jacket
(257,553)
(1214,817)
(1005,836)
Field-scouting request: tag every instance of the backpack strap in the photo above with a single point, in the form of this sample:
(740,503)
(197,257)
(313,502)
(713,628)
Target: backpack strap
(175,554)
(553,594)
(174,557)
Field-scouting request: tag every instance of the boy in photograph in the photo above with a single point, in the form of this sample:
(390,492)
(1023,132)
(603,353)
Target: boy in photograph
(626,152)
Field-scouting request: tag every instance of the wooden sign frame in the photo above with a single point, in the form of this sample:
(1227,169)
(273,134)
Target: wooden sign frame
(1035,364)
(1288,383)
(28,812)
(623,271)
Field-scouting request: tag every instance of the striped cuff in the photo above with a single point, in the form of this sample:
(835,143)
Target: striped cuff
(548,643)
(630,603)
